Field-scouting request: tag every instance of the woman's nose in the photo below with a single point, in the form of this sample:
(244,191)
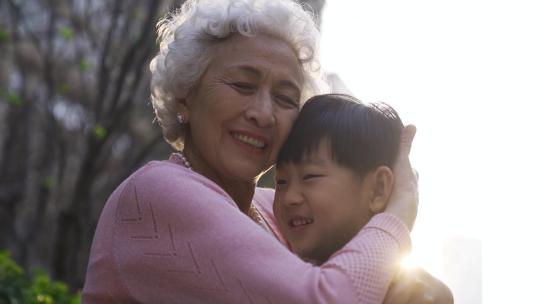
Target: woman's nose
(261,110)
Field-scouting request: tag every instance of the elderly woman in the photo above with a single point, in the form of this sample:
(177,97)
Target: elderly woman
(227,85)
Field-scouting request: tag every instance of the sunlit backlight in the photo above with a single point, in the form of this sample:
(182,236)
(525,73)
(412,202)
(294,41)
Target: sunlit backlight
(409,262)
(466,73)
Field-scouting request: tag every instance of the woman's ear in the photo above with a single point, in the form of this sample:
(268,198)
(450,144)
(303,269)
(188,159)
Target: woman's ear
(182,110)
(382,184)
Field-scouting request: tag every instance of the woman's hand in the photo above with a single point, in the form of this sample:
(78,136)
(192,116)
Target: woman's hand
(404,199)
(416,286)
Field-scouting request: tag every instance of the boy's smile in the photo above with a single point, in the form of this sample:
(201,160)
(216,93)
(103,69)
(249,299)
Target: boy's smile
(298,221)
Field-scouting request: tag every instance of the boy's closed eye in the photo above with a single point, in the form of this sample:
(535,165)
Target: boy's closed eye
(307,177)
(281,182)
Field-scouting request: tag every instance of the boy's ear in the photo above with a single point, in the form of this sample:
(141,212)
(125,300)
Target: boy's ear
(382,182)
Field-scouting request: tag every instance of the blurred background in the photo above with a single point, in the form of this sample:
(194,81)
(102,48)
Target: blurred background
(76,119)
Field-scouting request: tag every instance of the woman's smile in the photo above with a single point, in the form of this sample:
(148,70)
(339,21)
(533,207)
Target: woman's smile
(250,142)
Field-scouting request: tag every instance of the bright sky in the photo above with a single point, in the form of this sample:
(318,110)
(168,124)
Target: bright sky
(467,74)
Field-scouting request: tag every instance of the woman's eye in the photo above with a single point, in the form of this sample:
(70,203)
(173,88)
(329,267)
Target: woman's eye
(311,176)
(243,87)
(287,101)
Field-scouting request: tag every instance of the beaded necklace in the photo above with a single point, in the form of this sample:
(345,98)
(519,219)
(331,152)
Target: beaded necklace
(184,160)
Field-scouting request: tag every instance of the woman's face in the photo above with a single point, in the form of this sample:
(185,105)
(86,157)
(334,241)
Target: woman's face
(243,107)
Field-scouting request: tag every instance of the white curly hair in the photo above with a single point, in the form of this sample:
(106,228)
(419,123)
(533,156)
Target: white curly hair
(186,36)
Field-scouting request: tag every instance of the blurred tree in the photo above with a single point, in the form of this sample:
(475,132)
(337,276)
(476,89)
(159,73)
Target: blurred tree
(75,120)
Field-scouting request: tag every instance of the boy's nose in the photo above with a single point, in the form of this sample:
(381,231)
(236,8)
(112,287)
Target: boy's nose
(293,197)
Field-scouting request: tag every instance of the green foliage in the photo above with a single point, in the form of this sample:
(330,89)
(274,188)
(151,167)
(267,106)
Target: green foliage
(11,279)
(67,33)
(4,36)
(43,290)
(49,182)
(100,132)
(14,99)
(16,287)
(63,88)
(84,65)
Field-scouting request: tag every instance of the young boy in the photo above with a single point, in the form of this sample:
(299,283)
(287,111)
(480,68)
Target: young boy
(334,173)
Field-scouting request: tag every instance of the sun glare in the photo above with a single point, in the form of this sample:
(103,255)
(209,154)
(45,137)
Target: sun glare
(409,262)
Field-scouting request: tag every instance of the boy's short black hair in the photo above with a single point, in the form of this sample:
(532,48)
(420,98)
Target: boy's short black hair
(361,137)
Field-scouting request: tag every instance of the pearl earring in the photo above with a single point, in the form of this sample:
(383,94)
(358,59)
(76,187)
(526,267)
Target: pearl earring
(180,118)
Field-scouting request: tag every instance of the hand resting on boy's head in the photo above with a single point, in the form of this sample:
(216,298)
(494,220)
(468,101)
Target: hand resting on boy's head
(405,205)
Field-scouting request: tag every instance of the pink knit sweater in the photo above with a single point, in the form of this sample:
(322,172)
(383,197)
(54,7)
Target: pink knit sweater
(170,235)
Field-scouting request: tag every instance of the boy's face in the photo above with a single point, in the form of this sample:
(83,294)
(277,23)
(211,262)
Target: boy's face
(319,205)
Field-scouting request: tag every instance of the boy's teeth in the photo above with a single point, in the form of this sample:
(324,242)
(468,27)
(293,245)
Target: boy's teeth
(249,140)
(301,222)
